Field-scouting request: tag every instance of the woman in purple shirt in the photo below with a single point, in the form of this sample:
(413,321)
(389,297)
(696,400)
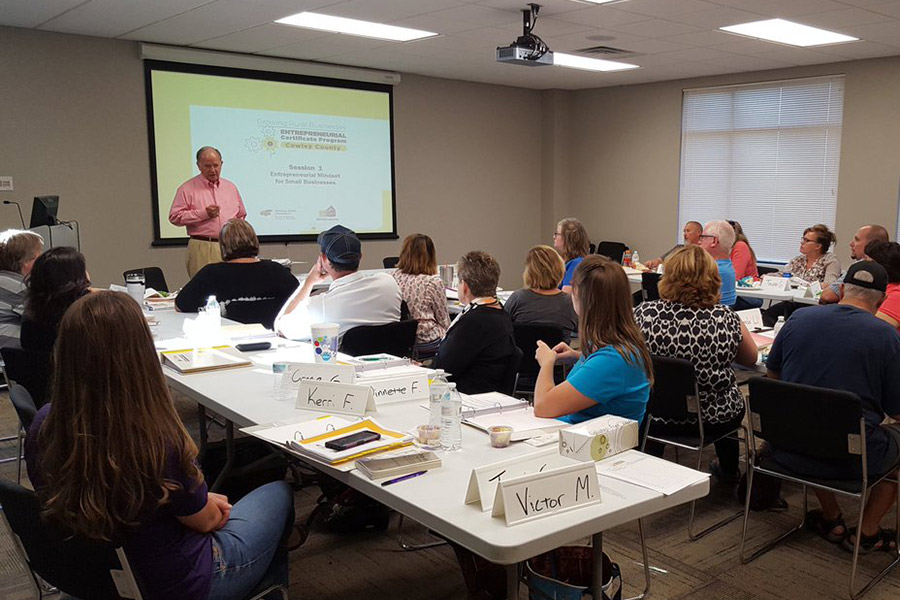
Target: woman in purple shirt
(111,460)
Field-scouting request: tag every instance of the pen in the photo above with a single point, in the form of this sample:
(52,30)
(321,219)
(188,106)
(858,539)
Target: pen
(404,478)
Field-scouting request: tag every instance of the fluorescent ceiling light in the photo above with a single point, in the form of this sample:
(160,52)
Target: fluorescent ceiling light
(788,32)
(598,1)
(589,64)
(368,29)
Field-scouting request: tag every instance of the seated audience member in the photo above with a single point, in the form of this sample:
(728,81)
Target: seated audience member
(58,278)
(612,373)
(866,361)
(111,460)
(717,239)
(416,275)
(541,300)
(571,241)
(743,258)
(352,299)
(865,234)
(479,343)
(887,254)
(691,233)
(250,290)
(688,322)
(18,251)
(815,262)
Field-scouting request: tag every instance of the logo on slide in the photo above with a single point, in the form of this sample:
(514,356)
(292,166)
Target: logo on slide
(328,213)
(264,144)
(265,213)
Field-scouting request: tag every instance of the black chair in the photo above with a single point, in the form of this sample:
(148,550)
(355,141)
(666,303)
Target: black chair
(153,278)
(650,286)
(615,251)
(29,369)
(822,424)
(675,397)
(258,311)
(766,270)
(397,339)
(592,248)
(390,262)
(526,336)
(511,374)
(25,410)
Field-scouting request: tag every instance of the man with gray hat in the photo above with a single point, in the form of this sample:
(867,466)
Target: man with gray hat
(352,299)
(866,361)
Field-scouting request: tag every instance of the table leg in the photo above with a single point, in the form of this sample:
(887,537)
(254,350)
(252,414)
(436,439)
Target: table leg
(229,457)
(597,555)
(201,421)
(512,581)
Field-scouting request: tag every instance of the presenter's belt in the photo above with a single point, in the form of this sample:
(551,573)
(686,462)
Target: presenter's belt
(204,238)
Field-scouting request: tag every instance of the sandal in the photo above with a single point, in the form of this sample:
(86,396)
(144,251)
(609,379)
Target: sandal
(817,522)
(885,541)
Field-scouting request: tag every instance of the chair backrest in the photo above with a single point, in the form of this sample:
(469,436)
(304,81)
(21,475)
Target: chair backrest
(393,338)
(674,393)
(592,248)
(257,311)
(24,405)
(77,567)
(766,270)
(29,369)
(806,420)
(511,374)
(650,286)
(527,335)
(404,310)
(612,250)
(153,277)
(390,262)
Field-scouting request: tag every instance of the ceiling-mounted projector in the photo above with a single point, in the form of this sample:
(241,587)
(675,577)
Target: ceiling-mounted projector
(528,49)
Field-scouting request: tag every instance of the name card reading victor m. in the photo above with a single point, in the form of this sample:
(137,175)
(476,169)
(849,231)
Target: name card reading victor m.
(340,398)
(297,372)
(484,479)
(773,283)
(553,491)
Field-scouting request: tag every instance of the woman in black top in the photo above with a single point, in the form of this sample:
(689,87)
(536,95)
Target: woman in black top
(58,278)
(479,343)
(250,290)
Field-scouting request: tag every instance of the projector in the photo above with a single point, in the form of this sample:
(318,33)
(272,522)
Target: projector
(517,54)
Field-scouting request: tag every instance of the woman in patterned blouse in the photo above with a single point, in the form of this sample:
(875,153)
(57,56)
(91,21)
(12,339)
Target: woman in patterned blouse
(424,293)
(815,262)
(689,323)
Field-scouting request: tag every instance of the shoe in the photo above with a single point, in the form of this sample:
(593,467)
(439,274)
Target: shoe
(885,541)
(715,469)
(816,521)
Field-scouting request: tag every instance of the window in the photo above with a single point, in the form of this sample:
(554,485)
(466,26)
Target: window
(766,155)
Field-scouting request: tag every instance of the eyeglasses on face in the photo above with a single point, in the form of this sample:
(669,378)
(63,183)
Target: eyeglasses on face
(706,235)
(806,240)
(557,234)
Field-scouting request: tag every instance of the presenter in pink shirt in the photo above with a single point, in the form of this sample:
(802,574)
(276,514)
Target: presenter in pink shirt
(202,205)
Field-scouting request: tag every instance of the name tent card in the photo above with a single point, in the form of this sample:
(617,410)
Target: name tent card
(550,492)
(397,389)
(483,480)
(772,283)
(341,398)
(814,290)
(297,372)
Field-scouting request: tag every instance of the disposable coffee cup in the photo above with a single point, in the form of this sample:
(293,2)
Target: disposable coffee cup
(325,341)
(134,285)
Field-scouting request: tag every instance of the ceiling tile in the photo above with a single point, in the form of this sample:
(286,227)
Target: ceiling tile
(261,38)
(655,28)
(702,38)
(385,11)
(886,33)
(669,8)
(601,16)
(838,20)
(548,27)
(112,18)
(19,13)
(891,9)
(858,50)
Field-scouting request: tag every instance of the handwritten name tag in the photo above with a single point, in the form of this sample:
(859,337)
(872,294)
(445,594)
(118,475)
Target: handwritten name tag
(814,290)
(398,389)
(484,479)
(297,372)
(341,398)
(550,492)
(772,283)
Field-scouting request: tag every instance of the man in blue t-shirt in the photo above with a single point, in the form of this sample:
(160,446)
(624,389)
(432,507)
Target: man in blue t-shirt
(717,239)
(865,362)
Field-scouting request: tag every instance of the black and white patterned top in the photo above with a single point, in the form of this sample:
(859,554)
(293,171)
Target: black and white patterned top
(709,338)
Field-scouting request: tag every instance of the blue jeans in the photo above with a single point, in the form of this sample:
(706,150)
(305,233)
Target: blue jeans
(248,550)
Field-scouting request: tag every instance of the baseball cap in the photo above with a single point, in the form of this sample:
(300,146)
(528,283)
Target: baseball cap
(867,274)
(342,247)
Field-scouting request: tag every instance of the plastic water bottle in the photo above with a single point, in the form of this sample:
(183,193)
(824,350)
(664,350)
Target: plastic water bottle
(437,389)
(635,258)
(778,325)
(213,313)
(451,420)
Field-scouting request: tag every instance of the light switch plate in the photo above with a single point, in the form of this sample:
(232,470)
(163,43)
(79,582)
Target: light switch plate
(6,183)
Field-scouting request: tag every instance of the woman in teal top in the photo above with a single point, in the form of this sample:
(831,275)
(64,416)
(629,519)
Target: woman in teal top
(612,373)
(571,241)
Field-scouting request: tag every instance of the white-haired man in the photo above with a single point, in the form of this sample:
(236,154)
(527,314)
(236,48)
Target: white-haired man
(717,239)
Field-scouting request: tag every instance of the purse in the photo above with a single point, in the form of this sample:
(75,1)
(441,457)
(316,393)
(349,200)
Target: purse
(565,574)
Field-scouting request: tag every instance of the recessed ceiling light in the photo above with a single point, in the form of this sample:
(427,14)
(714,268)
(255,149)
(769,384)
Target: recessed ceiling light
(574,61)
(788,32)
(368,29)
(598,1)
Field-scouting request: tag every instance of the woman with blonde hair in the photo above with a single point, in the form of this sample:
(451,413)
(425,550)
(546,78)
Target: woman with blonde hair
(572,243)
(689,322)
(248,289)
(416,275)
(612,373)
(111,461)
(541,301)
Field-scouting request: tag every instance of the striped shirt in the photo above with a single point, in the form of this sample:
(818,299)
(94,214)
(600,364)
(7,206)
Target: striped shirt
(12,302)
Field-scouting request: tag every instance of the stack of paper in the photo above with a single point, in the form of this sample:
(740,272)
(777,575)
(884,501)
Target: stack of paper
(197,360)
(649,472)
(395,464)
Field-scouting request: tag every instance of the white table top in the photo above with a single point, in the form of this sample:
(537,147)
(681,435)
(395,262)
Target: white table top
(792,296)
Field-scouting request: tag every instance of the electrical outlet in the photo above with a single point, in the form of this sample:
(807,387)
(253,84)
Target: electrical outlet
(6,183)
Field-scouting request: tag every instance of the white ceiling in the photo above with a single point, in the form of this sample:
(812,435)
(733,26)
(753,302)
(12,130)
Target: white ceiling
(669,39)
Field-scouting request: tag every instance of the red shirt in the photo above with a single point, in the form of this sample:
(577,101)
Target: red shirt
(743,261)
(189,207)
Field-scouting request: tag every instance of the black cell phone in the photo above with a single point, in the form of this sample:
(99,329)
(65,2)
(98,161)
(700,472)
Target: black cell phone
(254,346)
(353,440)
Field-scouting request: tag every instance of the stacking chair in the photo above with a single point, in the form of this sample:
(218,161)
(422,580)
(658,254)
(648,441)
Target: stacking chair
(393,338)
(25,410)
(766,270)
(78,567)
(29,369)
(390,262)
(818,423)
(650,286)
(615,251)
(153,278)
(675,397)
(527,335)
(511,375)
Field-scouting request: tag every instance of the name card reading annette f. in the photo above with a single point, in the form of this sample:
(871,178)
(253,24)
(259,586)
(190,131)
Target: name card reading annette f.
(341,398)
(397,389)
(773,283)
(484,479)
(297,372)
(550,492)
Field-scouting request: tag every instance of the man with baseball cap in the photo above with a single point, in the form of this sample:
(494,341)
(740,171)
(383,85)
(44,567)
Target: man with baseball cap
(866,361)
(352,299)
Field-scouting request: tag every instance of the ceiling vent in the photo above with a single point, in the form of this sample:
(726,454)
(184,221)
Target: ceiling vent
(605,51)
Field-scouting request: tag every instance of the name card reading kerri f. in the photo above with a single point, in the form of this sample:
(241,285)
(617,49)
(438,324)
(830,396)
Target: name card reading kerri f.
(340,398)
(550,492)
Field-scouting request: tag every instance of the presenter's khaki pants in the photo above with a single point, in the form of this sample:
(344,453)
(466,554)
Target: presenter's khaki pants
(200,254)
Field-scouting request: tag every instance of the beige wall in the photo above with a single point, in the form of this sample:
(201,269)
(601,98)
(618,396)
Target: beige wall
(74,124)
(626,154)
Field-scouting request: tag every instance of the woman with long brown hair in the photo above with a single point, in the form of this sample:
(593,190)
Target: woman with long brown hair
(572,243)
(416,275)
(612,373)
(111,460)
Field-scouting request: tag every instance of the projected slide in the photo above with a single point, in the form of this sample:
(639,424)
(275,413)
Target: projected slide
(305,156)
